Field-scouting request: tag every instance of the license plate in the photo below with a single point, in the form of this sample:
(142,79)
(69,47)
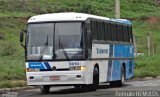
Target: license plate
(63,78)
(54,78)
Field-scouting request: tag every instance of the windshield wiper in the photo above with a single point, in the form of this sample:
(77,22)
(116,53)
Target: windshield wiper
(43,50)
(64,52)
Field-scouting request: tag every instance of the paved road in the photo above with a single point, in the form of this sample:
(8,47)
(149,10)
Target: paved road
(130,89)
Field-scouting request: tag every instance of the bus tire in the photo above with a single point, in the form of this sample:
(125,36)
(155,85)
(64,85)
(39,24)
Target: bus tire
(95,79)
(119,83)
(44,89)
(77,86)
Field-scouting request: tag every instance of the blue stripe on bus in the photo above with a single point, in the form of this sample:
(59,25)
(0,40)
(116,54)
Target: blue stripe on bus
(122,21)
(116,70)
(110,63)
(47,65)
(36,65)
(43,66)
(130,69)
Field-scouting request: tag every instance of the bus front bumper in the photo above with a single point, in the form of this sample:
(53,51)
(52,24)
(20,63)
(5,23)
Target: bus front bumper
(56,78)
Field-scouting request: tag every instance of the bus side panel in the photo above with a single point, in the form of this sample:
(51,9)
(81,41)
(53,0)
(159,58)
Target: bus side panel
(129,69)
(115,75)
(124,52)
(101,51)
(130,63)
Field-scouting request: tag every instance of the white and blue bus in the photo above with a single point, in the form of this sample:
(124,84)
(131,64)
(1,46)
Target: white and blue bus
(77,49)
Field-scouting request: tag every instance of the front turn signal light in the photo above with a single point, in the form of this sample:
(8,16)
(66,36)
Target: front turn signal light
(32,69)
(83,68)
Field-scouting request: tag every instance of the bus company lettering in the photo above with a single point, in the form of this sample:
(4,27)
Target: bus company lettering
(35,65)
(102,51)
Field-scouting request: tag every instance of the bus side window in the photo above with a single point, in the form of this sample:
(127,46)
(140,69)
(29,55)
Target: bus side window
(123,33)
(130,34)
(110,31)
(126,33)
(113,32)
(101,30)
(105,31)
(89,31)
(94,29)
(89,38)
(119,32)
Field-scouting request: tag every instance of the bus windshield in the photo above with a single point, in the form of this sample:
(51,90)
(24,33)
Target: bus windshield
(47,41)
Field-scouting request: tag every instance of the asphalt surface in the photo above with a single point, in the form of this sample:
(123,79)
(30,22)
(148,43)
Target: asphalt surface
(132,88)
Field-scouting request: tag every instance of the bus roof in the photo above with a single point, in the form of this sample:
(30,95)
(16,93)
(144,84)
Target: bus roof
(125,21)
(70,16)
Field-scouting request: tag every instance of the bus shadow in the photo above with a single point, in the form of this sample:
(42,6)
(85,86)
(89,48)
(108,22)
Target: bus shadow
(72,90)
(110,87)
(82,89)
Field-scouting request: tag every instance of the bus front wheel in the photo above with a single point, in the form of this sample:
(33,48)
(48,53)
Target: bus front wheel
(44,89)
(95,79)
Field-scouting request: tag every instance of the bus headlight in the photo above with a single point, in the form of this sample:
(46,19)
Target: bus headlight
(82,68)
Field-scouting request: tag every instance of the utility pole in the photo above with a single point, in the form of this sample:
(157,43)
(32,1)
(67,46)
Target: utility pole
(135,44)
(117,9)
(149,44)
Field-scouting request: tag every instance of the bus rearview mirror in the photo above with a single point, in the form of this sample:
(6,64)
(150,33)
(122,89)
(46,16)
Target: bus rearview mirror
(21,37)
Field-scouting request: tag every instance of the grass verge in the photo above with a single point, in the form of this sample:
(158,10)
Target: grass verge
(12,84)
(146,66)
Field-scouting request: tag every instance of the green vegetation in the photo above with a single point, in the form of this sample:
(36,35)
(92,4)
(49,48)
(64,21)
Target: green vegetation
(129,8)
(11,53)
(14,15)
(147,66)
(12,84)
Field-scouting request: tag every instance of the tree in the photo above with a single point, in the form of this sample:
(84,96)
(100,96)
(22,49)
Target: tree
(24,4)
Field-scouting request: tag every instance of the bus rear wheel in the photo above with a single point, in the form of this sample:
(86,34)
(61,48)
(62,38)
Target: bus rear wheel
(44,89)
(120,82)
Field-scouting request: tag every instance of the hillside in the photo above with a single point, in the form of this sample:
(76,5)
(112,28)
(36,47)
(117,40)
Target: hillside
(129,8)
(145,15)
